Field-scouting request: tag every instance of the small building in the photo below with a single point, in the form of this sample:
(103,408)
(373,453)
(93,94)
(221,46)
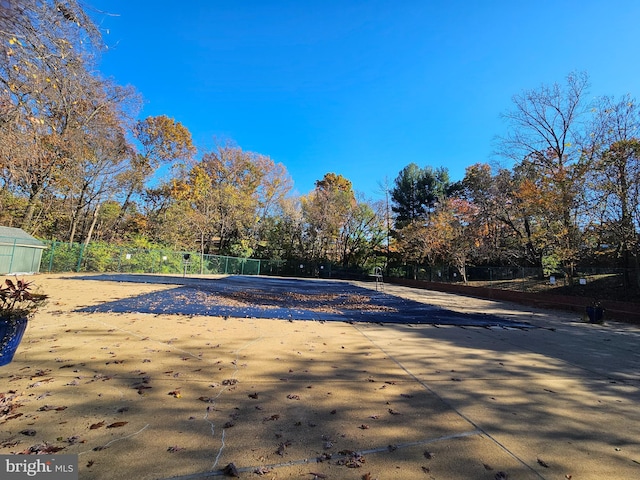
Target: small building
(19,251)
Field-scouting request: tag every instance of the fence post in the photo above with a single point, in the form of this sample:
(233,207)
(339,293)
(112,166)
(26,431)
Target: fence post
(80,255)
(53,249)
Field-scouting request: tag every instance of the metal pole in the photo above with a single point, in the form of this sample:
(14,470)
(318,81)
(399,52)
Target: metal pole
(80,257)
(53,249)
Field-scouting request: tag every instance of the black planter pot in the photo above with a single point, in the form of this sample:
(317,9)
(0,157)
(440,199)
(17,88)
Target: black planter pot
(595,314)
(11,332)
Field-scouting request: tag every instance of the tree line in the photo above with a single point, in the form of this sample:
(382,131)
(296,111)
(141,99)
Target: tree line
(78,165)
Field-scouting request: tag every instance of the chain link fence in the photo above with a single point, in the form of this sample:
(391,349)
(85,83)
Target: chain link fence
(595,282)
(96,257)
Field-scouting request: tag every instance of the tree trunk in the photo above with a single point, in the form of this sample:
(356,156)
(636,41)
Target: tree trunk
(74,226)
(121,214)
(93,224)
(31,207)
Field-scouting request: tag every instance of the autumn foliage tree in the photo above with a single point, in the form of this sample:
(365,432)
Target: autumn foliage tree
(326,210)
(58,119)
(159,141)
(45,48)
(546,139)
(224,198)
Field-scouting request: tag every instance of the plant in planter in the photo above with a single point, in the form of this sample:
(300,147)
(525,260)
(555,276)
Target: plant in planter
(17,306)
(595,312)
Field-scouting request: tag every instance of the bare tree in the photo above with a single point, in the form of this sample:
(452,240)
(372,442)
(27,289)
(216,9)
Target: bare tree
(46,49)
(546,138)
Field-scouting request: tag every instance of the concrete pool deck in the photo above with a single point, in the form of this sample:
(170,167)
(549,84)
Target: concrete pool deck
(167,394)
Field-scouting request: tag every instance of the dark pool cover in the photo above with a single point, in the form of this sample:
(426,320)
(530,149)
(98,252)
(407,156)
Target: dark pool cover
(289,299)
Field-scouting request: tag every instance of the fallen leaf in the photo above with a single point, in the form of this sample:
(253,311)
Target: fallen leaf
(501,476)
(117,424)
(47,408)
(174,449)
(96,426)
(364,427)
(28,433)
(543,463)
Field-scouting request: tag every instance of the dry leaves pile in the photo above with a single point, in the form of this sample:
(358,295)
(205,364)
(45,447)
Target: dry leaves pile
(325,303)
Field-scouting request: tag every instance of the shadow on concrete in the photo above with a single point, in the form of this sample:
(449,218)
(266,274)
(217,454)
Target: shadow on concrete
(566,395)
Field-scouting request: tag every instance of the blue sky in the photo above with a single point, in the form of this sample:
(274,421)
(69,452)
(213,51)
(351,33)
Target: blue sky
(361,88)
